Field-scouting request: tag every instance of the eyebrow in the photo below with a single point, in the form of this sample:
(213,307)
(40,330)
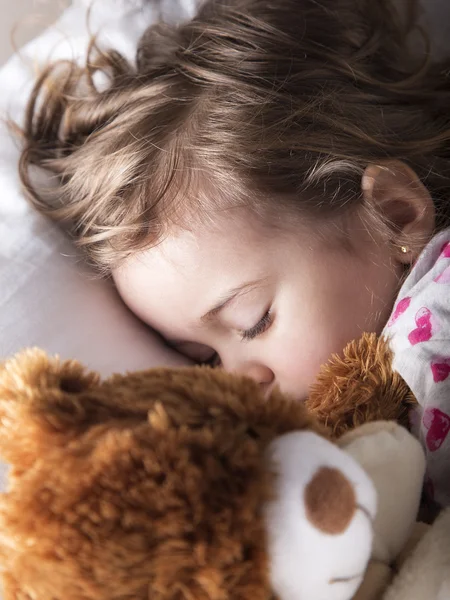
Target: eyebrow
(224,301)
(229,297)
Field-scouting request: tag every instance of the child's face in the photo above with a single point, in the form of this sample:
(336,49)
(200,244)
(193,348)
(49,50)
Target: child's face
(288,300)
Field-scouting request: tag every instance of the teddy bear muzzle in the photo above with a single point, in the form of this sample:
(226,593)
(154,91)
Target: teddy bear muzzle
(320,520)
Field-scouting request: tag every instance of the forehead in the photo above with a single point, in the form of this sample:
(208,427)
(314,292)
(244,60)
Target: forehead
(181,278)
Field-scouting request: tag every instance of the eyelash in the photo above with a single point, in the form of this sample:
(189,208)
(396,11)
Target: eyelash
(263,324)
(250,334)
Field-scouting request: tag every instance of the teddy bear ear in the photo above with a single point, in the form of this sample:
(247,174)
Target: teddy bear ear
(40,403)
(359,385)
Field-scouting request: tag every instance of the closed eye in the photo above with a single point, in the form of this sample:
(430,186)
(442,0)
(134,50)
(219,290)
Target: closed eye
(249,334)
(214,359)
(263,325)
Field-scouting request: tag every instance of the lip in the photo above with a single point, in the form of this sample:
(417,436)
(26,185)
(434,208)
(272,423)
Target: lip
(345,579)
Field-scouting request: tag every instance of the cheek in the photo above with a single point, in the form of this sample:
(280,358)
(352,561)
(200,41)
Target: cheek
(372,305)
(321,318)
(305,347)
(300,358)
(356,299)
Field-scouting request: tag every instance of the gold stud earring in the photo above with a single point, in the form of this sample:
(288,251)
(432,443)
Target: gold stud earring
(404,249)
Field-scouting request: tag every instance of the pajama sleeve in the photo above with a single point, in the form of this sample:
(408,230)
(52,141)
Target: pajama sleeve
(419,335)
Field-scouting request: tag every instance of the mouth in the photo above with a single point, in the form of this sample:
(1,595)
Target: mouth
(345,579)
(349,578)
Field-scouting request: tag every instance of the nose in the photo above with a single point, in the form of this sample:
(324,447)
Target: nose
(261,373)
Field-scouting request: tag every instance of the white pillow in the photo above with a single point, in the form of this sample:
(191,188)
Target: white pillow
(48,297)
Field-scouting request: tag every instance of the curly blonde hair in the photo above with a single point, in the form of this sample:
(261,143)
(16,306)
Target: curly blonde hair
(278,106)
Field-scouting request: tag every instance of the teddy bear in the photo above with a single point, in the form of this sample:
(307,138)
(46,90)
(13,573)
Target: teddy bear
(189,483)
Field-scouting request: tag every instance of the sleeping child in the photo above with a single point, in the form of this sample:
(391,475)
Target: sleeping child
(266,182)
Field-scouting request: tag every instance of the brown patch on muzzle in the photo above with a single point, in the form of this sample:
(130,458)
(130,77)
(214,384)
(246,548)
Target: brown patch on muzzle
(330,501)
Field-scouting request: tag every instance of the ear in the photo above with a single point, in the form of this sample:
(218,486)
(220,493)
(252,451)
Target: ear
(403,201)
(40,404)
(388,452)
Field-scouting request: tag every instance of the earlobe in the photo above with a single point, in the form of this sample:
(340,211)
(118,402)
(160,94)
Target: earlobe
(395,191)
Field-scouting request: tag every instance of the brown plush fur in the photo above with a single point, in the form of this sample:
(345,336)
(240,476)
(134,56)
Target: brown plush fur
(145,486)
(150,485)
(360,386)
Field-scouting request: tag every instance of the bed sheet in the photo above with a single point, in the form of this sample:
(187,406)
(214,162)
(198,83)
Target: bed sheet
(48,297)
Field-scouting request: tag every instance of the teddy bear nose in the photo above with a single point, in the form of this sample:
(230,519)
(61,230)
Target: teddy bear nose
(330,501)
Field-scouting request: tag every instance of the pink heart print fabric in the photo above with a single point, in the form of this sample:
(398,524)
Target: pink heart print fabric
(419,335)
